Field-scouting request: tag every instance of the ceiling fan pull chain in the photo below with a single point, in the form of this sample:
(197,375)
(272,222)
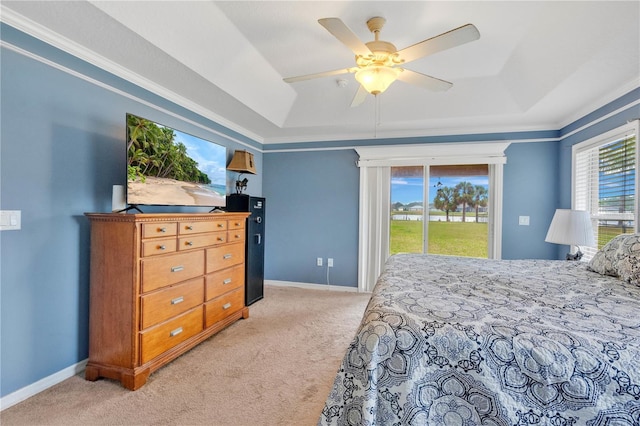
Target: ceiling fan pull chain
(376,116)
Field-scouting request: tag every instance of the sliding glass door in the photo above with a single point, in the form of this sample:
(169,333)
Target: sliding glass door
(412,168)
(406,224)
(455,218)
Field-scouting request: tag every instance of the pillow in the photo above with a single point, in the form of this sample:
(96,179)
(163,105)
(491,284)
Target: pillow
(604,261)
(628,256)
(620,257)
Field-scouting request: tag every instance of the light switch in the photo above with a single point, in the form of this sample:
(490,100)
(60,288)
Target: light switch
(523,220)
(10,220)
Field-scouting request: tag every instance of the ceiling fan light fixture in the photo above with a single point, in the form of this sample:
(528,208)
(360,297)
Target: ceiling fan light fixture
(376,79)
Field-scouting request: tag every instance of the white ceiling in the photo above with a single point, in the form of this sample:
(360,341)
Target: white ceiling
(538,65)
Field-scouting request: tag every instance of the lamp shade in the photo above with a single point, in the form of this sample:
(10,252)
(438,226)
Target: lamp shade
(376,79)
(242,162)
(571,227)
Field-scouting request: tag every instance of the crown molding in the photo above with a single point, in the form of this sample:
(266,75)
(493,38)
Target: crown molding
(401,134)
(599,103)
(66,45)
(73,48)
(55,65)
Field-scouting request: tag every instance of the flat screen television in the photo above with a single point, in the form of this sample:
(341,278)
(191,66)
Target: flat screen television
(166,167)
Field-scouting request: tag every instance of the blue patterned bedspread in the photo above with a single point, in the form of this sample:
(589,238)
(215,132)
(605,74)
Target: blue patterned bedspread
(462,341)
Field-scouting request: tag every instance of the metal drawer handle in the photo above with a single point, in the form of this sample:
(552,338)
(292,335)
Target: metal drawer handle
(227,256)
(220,225)
(162,229)
(189,243)
(220,239)
(161,247)
(227,281)
(190,228)
(226,306)
(176,332)
(177,268)
(177,300)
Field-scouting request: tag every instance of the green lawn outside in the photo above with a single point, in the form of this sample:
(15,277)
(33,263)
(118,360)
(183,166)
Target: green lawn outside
(459,239)
(607,233)
(453,238)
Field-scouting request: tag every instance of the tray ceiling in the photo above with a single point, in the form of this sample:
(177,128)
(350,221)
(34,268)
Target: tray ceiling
(537,65)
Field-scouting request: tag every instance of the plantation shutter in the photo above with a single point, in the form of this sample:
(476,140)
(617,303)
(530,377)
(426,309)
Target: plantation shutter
(605,185)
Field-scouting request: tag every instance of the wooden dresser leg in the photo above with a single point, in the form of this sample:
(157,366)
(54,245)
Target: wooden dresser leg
(135,381)
(245,312)
(91,373)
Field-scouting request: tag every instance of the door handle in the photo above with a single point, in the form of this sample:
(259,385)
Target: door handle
(258,238)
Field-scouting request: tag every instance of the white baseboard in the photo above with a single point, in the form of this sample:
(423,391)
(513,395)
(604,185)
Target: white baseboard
(310,286)
(62,375)
(41,385)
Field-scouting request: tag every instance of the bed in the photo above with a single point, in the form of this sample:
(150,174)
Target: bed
(463,341)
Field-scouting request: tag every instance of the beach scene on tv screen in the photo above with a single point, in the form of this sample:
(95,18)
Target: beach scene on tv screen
(169,167)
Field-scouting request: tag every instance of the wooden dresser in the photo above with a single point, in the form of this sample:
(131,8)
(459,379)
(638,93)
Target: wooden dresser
(160,285)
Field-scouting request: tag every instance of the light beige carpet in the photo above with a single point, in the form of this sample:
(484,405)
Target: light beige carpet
(274,368)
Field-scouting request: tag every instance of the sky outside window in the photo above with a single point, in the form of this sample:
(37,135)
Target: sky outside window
(407,190)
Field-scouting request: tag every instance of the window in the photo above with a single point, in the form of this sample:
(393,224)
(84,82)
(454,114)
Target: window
(453,220)
(605,182)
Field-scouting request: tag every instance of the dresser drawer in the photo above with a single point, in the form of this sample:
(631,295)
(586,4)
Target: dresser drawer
(224,256)
(163,304)
(235,224)
(158,246)
(223,281)
(200,227)
(223,306)
(156,340)
(164,229)
(235,235)
(161,271)
(202,240)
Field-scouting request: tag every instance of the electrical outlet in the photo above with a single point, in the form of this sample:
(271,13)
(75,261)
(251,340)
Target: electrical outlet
(330,262)
(319,261)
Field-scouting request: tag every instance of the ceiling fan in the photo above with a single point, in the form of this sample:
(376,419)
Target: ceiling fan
(379,63)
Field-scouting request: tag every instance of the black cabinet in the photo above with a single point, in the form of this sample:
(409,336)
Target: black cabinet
(254,256)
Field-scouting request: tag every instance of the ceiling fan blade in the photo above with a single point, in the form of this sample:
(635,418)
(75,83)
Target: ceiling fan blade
(453,38)
(318,75)
(360,96)
(424,81)
(340,31)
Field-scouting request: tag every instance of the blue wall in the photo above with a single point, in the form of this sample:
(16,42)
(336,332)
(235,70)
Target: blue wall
(62,150)
(313,212)
(63,147)
(530,189)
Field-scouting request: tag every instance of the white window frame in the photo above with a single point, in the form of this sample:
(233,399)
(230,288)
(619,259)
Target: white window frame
(597,141)
(375,195)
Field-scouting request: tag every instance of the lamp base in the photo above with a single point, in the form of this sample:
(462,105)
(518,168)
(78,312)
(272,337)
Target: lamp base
(577,256)
(241,185)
